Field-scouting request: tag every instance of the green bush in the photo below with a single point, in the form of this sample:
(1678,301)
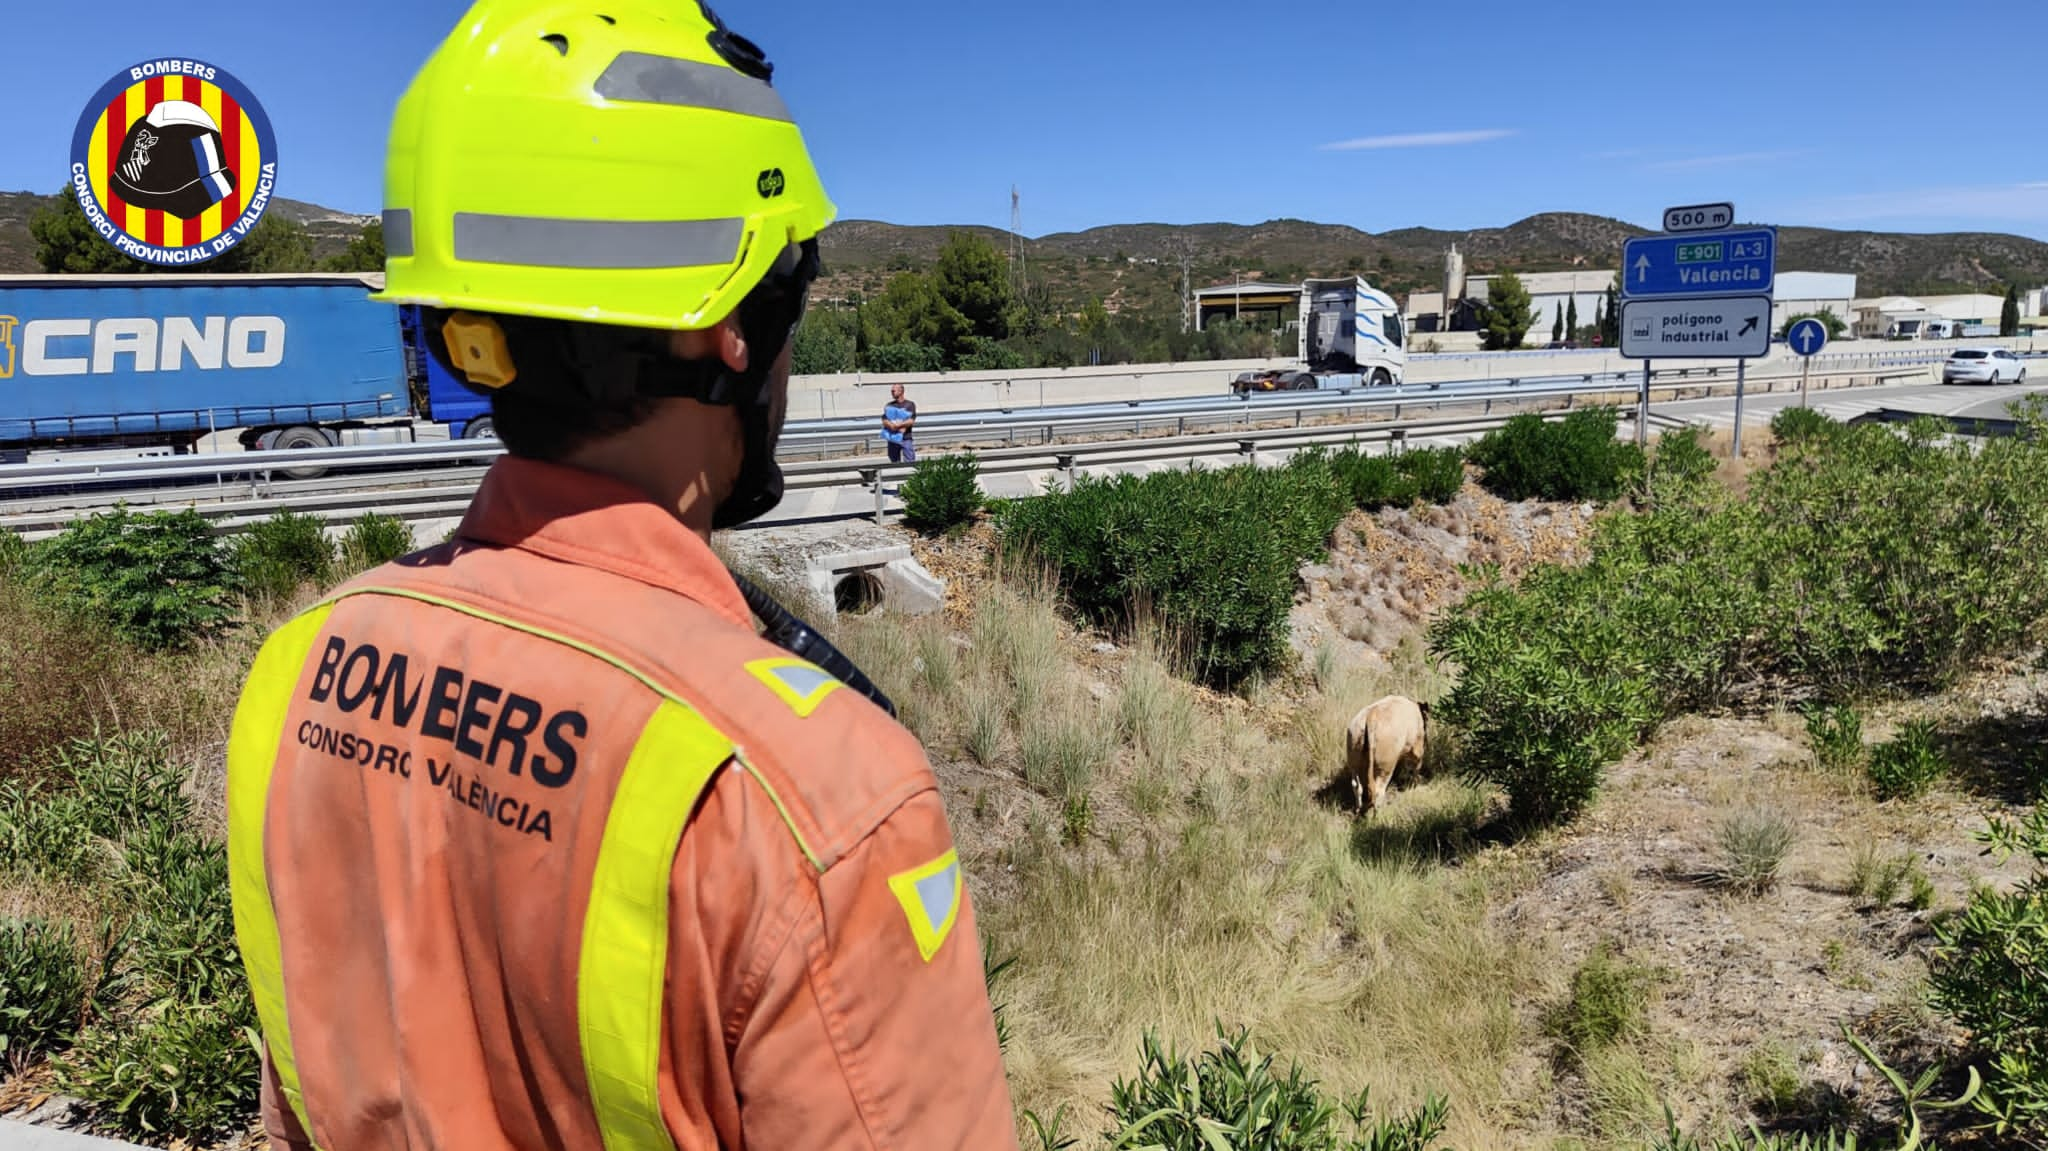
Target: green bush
(1371,480)
(1233,1097)
(14,552)
(1894,560)
(42,988)
(182,1070)
(1836,735)
(942,492)
(905,358)
(1794,425)
(1576,458)
(1680,464)
(1215,552)
(1909,764)
(166,1052)
(1437,473)
(159,580)
(1432,475)
(1989,974)
(1609,1003)
(275,557)
(373,540)
(1872,560)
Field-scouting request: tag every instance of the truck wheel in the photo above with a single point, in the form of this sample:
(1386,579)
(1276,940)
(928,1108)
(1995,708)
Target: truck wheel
(480,428)
(1381,379)
(301,436)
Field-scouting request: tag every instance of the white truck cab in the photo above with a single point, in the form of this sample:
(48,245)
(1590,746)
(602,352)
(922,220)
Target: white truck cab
(1350,336)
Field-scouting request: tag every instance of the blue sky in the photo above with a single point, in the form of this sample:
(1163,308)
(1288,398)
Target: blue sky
(1883,114)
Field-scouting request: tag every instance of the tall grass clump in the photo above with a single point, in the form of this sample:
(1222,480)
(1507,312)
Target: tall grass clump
(1609,1003)
(1754,843)
(1215,553)
(1575,458)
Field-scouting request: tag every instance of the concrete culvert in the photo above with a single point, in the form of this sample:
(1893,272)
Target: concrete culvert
(856,592)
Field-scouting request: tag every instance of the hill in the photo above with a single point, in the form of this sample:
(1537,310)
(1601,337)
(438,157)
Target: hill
(1139,265)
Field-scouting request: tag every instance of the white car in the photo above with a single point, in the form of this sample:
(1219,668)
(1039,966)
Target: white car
(1983,366)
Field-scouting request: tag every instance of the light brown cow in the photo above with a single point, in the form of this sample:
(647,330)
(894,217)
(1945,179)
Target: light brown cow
(1385,736)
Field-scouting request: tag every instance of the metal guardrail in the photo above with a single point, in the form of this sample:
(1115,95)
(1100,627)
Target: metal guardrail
(326,502)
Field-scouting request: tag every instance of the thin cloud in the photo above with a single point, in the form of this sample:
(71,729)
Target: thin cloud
(1615,154)
(1724,160)
(1419,140)
(2001,202)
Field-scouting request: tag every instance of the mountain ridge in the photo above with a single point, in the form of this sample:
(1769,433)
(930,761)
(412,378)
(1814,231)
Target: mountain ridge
(1139,264)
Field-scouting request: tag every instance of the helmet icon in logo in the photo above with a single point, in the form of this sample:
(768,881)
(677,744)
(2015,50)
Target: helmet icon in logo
(171,161)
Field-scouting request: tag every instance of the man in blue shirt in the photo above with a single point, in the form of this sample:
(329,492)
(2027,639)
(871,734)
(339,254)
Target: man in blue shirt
(898,417)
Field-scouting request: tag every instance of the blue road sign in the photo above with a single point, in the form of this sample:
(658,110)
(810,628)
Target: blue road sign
(1807,336)
(1741,262)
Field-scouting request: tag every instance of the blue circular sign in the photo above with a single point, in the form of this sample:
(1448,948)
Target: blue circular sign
(1807,337)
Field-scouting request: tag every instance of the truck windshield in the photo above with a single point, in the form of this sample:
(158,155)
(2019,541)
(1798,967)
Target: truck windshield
(1392,327)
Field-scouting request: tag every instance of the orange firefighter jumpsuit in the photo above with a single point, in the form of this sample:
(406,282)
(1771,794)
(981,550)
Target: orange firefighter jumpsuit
(536,844)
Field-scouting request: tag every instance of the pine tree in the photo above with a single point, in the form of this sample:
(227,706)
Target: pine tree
(2009,316)
(1557,327)
(1571,319)
(1599,320)
(1610,331)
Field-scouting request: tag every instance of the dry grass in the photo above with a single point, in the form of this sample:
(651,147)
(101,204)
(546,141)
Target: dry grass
(1202,881)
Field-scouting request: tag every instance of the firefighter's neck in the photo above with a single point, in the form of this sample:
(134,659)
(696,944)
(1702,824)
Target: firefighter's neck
(687,455)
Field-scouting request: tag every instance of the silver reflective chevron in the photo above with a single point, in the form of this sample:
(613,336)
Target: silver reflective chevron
(547,242)
(650,79)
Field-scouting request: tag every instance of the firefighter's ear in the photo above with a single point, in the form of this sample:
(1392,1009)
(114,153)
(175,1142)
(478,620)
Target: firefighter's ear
(723,342)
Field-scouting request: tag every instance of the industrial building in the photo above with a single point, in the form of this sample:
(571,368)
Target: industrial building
(1809,293)
(1271,304)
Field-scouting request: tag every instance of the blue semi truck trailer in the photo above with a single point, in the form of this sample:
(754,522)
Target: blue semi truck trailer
(163,361)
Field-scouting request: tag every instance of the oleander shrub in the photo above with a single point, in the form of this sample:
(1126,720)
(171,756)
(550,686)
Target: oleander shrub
(1575,458)
(1215,553)
(942,492)
(1793,425)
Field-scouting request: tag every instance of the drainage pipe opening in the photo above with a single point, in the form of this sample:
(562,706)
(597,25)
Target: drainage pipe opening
(857,592)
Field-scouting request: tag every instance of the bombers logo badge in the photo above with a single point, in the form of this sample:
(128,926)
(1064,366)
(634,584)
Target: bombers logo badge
(173,161)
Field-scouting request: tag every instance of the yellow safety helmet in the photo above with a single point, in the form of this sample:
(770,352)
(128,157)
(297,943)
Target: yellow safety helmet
(612,161)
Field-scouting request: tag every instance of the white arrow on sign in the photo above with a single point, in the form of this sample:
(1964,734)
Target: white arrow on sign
(1642,268)
(1805,339)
